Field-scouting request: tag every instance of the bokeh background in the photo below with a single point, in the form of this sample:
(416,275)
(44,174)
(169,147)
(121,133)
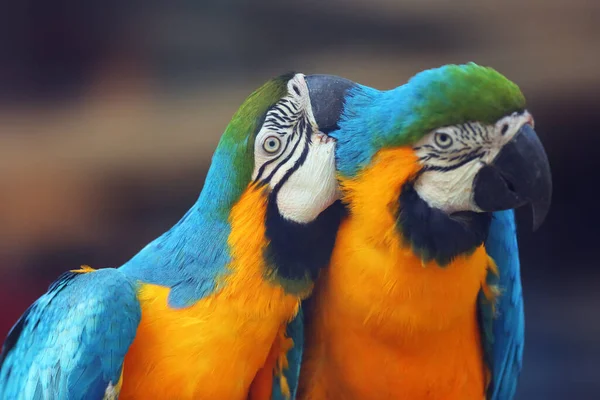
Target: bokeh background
(109,112)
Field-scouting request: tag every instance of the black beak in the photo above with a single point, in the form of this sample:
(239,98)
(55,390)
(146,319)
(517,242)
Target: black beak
(327,94)
(519,175)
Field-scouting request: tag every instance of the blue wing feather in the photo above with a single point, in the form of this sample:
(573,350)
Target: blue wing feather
(504,331)
(295,331)
(70,344)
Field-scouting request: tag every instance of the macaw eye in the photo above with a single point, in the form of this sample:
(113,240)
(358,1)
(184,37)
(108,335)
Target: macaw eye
(272,144)
(443,140)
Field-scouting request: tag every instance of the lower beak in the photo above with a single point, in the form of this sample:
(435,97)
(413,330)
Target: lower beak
(327,94)
(519,175)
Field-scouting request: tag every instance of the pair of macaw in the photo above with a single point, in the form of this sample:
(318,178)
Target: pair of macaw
(406,197)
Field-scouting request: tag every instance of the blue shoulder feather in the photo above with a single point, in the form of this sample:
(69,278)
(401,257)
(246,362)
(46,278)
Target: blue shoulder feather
(503,331)
(70,344)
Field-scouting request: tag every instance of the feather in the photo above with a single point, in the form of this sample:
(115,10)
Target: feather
(504,330)
(63,347)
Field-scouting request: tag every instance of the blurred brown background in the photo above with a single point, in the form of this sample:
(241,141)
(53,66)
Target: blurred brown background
(109,114)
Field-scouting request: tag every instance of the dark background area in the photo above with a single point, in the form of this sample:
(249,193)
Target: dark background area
(109,114)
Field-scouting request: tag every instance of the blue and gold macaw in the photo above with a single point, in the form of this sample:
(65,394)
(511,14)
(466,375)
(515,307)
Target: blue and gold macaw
(202,312)
(422,299)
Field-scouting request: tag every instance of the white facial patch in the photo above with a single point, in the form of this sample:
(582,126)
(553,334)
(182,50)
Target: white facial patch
(294,158)
(450,191)
(452,156)
(313,187)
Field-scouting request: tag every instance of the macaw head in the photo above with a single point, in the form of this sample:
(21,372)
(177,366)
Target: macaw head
(274,142)
(453,144)
(273,182)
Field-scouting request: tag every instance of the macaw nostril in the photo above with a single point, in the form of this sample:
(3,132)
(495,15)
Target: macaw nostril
(530,120)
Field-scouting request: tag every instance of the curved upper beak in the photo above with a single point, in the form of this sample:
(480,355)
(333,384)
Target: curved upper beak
(519,175)
(327,94)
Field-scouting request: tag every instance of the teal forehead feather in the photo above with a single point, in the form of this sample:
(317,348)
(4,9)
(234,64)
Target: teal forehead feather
(233,161)
(449,95)
(455,94)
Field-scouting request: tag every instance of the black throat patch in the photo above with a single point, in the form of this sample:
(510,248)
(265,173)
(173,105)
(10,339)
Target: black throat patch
(296,252)
(435,235)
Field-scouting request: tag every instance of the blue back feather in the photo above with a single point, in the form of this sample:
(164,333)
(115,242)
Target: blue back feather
(194,252)
(70,344)
(188,258)
(504,333)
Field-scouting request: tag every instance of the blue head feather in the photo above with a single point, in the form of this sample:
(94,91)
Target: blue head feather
(449,95)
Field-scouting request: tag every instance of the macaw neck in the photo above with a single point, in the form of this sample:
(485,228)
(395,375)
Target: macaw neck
(189,256)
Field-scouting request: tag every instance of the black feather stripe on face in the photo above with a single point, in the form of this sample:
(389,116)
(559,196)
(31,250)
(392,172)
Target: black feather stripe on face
(469,141)
(296,252)
(459,161)
(435,235)
(291,124)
